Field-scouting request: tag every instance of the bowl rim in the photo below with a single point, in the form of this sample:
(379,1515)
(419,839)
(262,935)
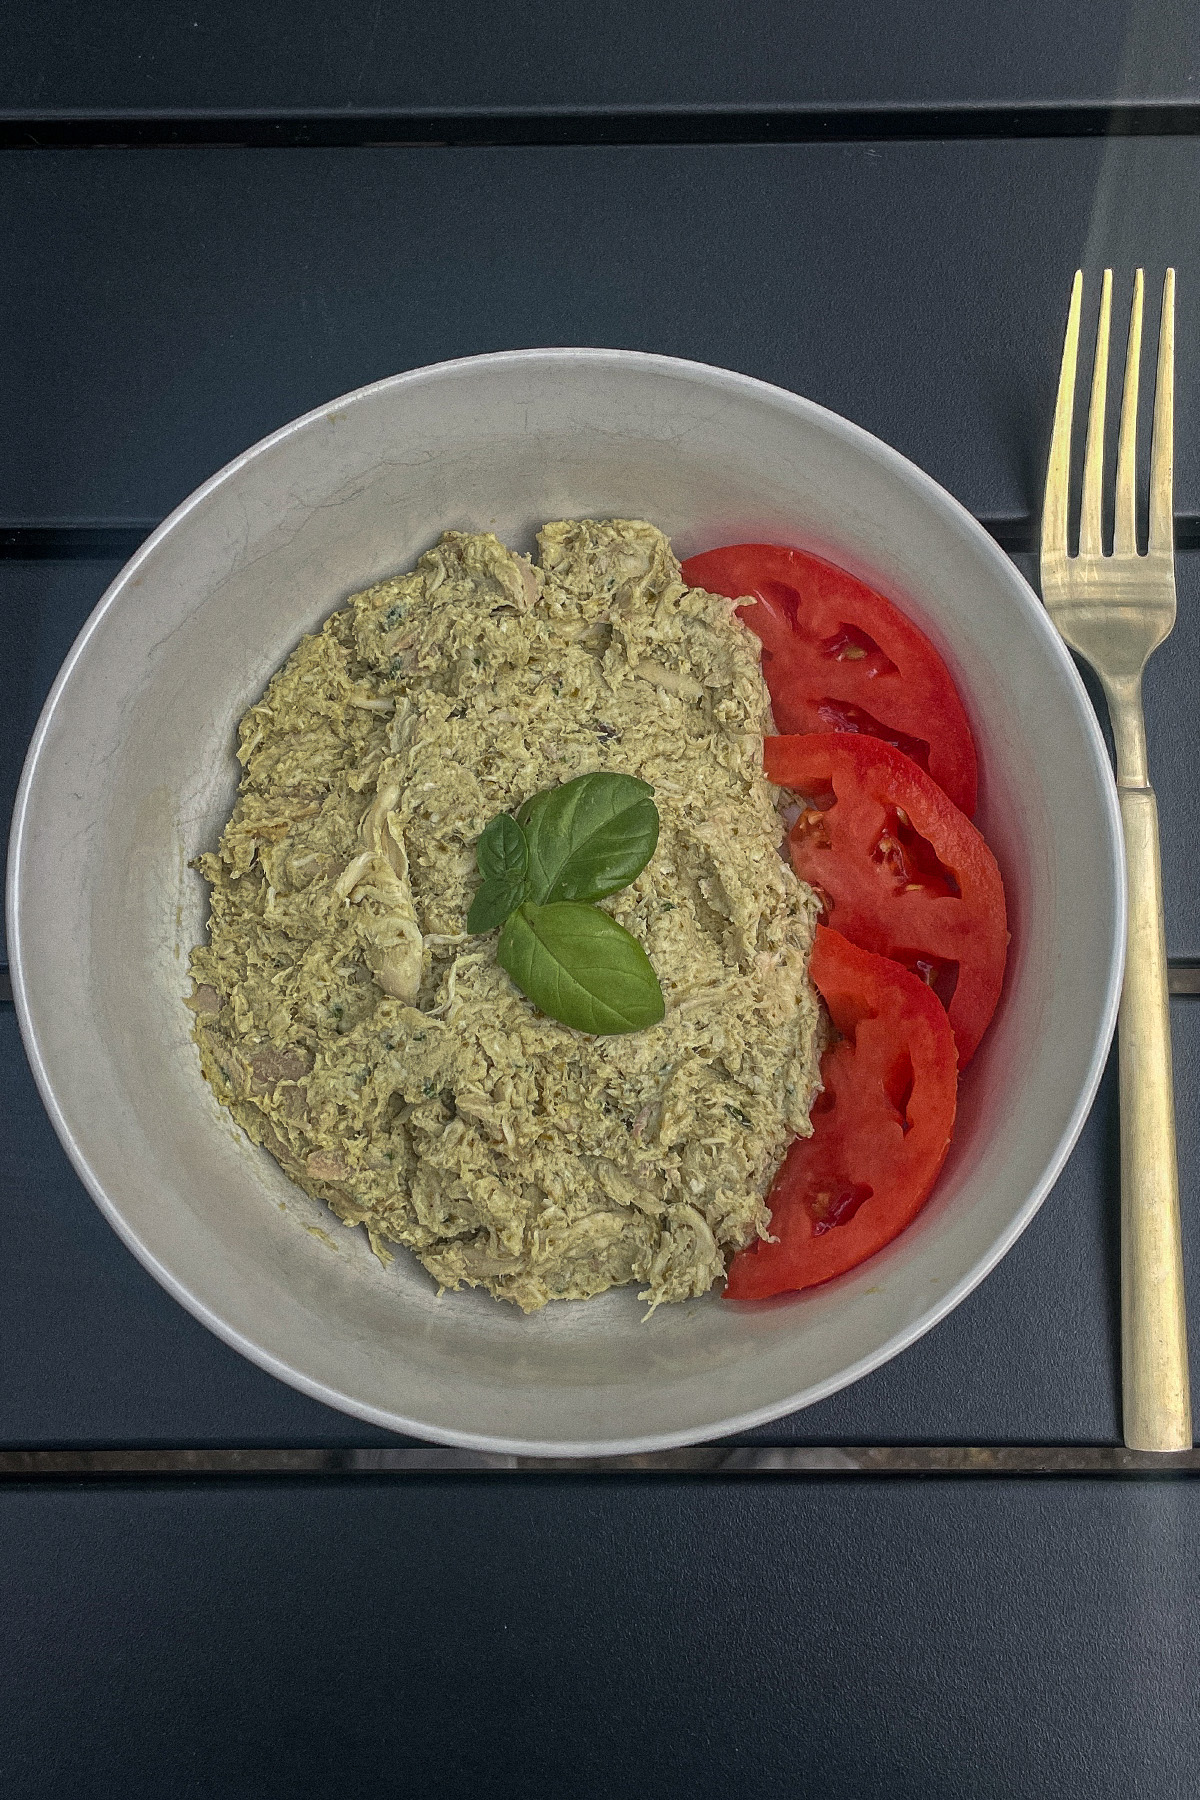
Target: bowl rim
(20,832)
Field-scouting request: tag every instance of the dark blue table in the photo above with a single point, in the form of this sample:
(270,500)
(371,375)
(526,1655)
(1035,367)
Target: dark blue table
(162,70)
(595,1636)
(879,210)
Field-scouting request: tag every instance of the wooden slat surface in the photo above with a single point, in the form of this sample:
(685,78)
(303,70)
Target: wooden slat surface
(163,310)
(44,604)
(538,55)
(519,1634)
(998,1639)
(166,309)
(96,1354)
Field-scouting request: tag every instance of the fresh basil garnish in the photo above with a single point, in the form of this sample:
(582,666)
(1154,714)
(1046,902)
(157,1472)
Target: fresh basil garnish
(503,858)
(492,904)
(588,838)
(567,847)
(577,964)
(502,852)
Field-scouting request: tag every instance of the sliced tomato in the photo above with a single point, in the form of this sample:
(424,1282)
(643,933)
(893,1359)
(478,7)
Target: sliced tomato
(837,656)
(881,1127)
(901,870)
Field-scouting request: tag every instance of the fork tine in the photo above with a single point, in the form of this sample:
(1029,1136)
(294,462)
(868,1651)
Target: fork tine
(1125,524)
(1162,450)
(1058,472)
(1090,539)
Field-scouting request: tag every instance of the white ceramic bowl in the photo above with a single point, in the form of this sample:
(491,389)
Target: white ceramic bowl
(131,773)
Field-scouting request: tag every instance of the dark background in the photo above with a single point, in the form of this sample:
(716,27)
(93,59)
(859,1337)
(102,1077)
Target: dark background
(528,57)
(215,218)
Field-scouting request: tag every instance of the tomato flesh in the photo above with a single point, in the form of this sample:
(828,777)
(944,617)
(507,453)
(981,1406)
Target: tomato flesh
(837,656)
(899,869)
(881,1127)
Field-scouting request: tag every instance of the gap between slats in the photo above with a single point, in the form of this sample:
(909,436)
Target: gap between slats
(75,543)
(481,126)
(877,1461)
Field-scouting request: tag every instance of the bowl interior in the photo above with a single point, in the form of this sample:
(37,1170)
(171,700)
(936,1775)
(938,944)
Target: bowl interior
(132,773)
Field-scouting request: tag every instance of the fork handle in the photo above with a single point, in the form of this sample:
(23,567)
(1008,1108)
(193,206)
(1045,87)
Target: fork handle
(1156,1401)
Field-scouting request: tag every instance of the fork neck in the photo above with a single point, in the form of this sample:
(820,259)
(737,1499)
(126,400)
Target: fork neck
(1124,695)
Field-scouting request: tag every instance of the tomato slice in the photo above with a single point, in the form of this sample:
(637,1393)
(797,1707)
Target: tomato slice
(881,1128)
(902,871)
(837,656)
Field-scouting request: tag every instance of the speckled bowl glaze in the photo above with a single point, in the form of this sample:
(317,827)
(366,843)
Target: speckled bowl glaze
(131,772)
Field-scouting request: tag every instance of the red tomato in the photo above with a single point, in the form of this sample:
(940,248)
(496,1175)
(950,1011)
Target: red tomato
(839,657)
(902,871)
(881,1128)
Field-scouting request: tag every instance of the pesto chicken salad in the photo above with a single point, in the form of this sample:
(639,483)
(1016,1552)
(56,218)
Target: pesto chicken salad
(390,1003)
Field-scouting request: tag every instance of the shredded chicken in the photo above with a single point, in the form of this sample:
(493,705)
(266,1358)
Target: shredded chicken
(382,1056)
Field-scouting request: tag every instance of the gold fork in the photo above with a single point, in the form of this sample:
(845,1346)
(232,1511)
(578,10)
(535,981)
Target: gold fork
(1115,610)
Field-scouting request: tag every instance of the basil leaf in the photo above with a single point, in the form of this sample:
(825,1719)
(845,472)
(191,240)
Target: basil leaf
(581,967)
(502,853)
(503,858)
(588,837)
(493,902)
